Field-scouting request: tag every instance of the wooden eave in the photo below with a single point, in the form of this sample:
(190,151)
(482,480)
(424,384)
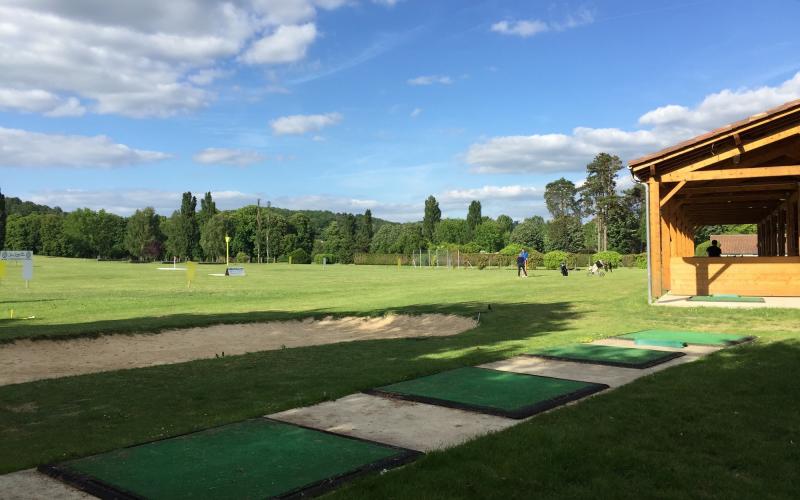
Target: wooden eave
(759,140)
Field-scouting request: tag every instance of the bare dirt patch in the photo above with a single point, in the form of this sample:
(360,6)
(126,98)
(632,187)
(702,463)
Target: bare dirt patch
(27,360)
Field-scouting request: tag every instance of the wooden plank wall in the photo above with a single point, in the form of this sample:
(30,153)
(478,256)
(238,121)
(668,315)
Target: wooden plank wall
(757,276)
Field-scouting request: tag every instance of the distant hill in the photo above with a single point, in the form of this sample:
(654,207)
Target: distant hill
(17,206)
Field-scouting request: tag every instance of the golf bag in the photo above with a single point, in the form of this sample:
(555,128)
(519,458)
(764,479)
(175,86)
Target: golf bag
(564,270)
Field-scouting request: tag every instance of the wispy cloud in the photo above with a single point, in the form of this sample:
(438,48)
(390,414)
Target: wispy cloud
(301,124)
(233,157)
(21,148)
(529,27)
(415,113)
(431,80)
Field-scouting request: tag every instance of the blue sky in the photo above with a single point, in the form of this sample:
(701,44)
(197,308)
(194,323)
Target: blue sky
(348,105)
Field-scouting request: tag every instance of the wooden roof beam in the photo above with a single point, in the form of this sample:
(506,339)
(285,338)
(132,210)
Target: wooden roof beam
(726,155)
(733,173)
(783,186)
(672,193)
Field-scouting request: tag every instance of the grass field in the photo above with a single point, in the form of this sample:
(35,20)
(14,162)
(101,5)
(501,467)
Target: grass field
(727,426)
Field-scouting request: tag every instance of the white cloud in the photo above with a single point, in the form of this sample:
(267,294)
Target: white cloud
(515,192)
(21,148)
(126,201)
(666,125)
(529,27)
(39,101)
(387,3)
(222,156)
(521,28)
(287,44)
(301,124)
(143,58)
(430,80)
(416,112)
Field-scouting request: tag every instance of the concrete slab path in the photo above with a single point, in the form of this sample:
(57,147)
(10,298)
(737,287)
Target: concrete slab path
(408,424)
(32,485)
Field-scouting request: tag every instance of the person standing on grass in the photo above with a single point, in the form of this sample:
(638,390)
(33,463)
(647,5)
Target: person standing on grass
(525,256)
(521,266)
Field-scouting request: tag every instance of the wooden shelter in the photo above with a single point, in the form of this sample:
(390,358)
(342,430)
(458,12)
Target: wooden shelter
(745,173)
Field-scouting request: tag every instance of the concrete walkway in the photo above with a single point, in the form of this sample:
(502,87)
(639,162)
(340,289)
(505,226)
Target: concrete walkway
(670,300)
(416,426)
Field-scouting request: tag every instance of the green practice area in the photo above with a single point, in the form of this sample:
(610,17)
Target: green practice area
(257,458)
(724,298)
(674,338)
(727,424)
(506,394)
(626,357)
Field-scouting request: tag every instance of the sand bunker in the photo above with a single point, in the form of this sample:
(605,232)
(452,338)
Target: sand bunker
(26,360)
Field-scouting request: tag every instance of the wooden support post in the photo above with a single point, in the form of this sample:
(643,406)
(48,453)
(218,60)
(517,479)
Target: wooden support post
(791,227)
(666,248)
(781,232)
(654,212)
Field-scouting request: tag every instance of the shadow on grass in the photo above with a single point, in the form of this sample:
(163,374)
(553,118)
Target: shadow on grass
(82,415)
(155,324)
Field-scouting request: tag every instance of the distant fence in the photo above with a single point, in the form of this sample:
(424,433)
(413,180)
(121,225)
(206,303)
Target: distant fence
(447,258)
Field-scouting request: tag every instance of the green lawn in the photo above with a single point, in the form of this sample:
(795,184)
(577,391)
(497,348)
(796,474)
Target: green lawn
(726,426)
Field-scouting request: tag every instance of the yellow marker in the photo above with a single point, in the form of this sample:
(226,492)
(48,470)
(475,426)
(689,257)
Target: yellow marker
(290,260)
(191,271)
(11,314)
(2,269)
(398,262)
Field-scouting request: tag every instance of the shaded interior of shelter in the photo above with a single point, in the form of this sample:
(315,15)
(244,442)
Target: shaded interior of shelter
(745,173)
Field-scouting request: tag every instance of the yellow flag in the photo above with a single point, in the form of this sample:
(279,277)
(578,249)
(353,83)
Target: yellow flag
(191,271)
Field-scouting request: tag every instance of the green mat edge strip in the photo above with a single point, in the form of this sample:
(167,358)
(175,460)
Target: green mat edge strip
(519,413)
(722,298)
(745,338)
(668,356)
(104,490)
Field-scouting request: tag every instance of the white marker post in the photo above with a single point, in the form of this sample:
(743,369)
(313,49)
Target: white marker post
(26,256)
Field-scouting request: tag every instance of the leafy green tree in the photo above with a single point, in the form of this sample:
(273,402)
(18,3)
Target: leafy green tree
(598,192)
(473,216)
(212,237)
(386,239)
(189,224)
(506,224)
(304,232)
(208,209)
(332,238)
(52,235)
(80,228)
(143,238)
(565,233)
(590,236)
(489,236)
(432,217)
(451,231)
(22,232)
(364,233)
(411,238)
(625,217)
(3,218)
(347,239)
(560,198)
(530,233)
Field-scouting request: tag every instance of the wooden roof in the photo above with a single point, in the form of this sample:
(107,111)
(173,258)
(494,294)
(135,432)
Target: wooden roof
(771,133)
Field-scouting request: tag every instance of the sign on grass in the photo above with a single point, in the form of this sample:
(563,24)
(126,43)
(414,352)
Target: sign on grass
(26,256)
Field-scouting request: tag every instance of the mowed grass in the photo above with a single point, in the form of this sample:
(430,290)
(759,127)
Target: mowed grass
(726,426)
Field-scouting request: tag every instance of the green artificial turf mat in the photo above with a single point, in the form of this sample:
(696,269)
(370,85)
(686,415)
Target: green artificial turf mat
(676,344)
(701,338)
(626,357)
(257,458)
(724,298)
(507,394)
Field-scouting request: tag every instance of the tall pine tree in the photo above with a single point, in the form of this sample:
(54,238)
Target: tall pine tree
(473,216)
(432,217)
(599,191)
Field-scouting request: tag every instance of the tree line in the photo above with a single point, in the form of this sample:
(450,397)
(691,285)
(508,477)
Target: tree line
(589,218)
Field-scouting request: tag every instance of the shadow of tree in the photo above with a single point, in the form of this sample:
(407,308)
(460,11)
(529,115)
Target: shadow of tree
(82,415)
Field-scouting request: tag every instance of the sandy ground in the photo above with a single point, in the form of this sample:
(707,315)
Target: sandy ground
(27,360)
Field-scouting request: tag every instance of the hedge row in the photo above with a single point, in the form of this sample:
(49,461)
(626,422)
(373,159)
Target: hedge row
(506,258)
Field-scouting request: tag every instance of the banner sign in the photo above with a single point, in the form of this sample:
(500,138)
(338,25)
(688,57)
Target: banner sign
(234,271)
(16,255)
